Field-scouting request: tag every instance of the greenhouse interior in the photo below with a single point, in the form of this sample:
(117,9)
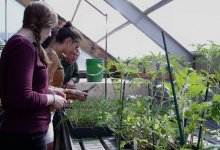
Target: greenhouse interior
(149,70)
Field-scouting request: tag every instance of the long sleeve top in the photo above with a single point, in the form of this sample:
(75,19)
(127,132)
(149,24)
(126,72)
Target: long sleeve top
(23,88)
(71,72)
(55,69)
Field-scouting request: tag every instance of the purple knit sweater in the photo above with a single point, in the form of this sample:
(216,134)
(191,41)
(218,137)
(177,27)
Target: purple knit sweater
(23,88)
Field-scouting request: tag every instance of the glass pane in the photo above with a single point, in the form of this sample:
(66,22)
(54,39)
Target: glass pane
(130,42)
(143,4)
(15,15)
(92,23)
(2,20)
(190,21)
(115,19)
(88,20)
(65,8)
(82,60)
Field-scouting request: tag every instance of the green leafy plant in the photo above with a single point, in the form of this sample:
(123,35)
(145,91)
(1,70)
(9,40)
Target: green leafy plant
(149,122)
(145,119)
(192,91)
(125,70)
(91,113)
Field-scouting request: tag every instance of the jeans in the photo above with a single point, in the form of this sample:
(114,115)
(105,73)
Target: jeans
(10,141)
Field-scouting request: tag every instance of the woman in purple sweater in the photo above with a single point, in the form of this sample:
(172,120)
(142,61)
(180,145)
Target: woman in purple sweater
(24,83)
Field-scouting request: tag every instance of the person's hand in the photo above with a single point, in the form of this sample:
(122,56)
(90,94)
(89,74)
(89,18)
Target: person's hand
(81,95)
(75,94)
(59,102)
(58,91)
(70,85)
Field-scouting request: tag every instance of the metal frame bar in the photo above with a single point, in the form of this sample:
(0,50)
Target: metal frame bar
(106,46)
(6,20)
(77,7)
(147,11)
(149,28)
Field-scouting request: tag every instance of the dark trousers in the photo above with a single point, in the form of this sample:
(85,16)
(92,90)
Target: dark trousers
(22,141)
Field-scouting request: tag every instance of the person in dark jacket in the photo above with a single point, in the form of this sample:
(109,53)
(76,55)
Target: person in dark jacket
(71,70)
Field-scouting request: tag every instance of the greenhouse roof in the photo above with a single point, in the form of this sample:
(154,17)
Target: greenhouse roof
(133,26)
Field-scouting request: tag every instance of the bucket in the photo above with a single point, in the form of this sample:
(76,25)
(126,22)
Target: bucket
(94,70)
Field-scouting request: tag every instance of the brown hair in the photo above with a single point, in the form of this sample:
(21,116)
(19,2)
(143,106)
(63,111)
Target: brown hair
(68,31)
(38,15)
(51,38)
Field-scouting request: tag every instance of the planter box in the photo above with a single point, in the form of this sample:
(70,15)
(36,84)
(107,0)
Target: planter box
(88,132)
(96,136)
(68,137)
(92,138)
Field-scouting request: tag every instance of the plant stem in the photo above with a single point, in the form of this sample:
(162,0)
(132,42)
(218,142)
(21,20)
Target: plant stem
(202,122)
